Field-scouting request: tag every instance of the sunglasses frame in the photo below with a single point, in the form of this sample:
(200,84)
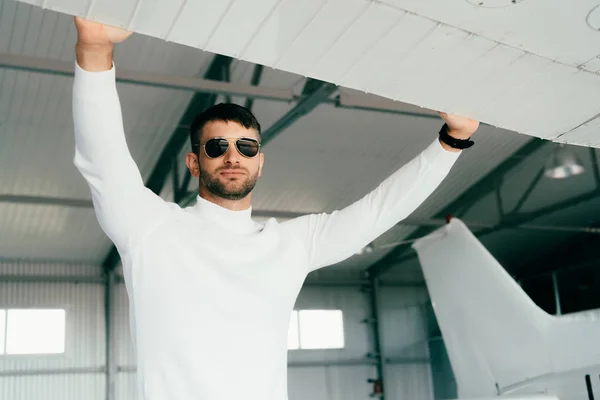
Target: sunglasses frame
(229,140)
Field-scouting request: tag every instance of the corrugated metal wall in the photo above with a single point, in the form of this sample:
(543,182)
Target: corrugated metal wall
(124,355)
(404,332)
(316,375)
(347,370)
(34,268)
(79,372)
(53,387)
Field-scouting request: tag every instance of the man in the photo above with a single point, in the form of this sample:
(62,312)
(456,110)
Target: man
(211,291)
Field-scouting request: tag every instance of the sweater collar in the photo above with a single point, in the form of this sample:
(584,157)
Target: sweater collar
(237,221)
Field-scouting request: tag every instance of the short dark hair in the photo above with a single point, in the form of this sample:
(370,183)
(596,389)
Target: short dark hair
(226,112)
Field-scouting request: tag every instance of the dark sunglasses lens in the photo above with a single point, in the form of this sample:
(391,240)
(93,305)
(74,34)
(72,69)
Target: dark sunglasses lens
(216,147)
(248,148)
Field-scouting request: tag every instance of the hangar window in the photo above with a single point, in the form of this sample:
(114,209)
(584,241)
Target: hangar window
(316,329)
(32,331)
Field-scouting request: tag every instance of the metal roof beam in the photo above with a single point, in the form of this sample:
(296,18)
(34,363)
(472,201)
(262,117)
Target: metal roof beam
(525,217)
(314,93)
(529,190)
(53,279)
(21,62)
(207,85)
(512,220)
(45,201)
(522,221)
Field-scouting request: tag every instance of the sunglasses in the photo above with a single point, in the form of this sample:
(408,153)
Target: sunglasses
(216,147)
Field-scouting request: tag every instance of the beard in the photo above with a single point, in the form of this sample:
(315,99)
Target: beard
(232,190)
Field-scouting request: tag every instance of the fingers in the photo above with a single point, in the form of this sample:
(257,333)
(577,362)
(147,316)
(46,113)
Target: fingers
(80,20)
(443,115)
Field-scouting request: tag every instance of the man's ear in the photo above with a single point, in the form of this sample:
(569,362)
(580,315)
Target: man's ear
(192,162)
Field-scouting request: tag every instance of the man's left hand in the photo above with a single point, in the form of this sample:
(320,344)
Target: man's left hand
(459,127)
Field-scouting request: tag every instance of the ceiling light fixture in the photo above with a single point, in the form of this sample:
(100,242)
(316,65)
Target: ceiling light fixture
(562,163)
(366,250)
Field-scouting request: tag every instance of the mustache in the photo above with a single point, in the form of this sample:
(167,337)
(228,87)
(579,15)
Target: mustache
(236,168)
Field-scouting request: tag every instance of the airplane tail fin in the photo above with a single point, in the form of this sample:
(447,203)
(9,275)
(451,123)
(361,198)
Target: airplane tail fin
(494,333)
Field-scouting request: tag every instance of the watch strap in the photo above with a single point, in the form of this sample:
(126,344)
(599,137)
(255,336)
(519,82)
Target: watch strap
(453,142)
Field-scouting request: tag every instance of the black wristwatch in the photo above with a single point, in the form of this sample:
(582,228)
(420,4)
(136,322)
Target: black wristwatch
(452,142)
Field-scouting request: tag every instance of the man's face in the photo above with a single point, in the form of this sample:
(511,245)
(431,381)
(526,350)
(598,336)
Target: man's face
(231,176)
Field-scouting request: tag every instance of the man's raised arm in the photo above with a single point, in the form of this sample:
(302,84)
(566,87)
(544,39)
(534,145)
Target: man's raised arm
(125,208)
(331,238)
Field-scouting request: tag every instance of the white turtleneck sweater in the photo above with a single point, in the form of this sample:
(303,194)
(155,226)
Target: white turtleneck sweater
(211,291)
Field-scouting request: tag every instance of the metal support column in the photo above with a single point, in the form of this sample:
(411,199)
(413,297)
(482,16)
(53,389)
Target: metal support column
(175,176)
(556,293)
(379,356)
(110,365)
(258,70)
(594,160)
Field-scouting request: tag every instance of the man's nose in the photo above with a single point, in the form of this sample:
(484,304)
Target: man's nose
(232,156)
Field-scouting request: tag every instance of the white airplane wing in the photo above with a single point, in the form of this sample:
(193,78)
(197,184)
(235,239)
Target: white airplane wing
(528,66)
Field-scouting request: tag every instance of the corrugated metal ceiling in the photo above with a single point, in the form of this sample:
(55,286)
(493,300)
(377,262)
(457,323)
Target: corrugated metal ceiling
(51,233)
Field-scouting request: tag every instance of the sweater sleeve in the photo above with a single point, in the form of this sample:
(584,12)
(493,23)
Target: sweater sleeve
(330,238)
(124,207)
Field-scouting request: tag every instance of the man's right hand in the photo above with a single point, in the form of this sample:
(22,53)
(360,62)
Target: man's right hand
(95,44)
(94,33)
